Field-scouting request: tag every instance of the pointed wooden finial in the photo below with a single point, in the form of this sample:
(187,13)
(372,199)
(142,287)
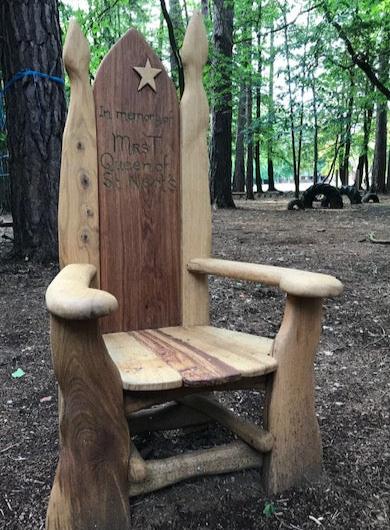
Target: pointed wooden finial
(78,212)
(76,51)
(195,46)
(196,211)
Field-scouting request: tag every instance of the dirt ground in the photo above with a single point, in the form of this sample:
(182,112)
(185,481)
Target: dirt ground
(352,378)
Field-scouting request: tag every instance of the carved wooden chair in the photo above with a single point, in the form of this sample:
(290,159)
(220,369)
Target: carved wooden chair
(135,221)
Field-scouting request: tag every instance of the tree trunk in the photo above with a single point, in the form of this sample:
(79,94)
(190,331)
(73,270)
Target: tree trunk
(239,165)
(271,114)
(176,17)
(221,142)
(362,167)
(36,112)
(249,136)
(388,171)
(291,104)
(249,109)
(302,103)
(344,160)
(380,152)
(315,139)
(258,180)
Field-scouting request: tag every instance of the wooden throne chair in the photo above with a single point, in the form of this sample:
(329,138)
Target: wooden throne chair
(133,349)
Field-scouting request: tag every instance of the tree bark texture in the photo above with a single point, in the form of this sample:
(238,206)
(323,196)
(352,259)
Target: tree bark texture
(239,163)
(315,132)
(271,115)
(178,25)
(221,142)
(249,142)
(380,152)
(36,112)
(259,184)
(345,153)
(291,104)
(362,167)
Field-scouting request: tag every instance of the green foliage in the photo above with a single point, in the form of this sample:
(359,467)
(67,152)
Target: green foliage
(320,66)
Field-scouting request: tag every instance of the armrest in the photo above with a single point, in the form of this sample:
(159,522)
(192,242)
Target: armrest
(292,281)
(69,296)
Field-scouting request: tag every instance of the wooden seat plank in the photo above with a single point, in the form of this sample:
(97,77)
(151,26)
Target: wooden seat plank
(246,353)
(169,358)
(139,367)
(195,365)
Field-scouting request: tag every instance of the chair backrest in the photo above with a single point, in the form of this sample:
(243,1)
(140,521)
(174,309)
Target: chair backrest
(128,204)
(138,152)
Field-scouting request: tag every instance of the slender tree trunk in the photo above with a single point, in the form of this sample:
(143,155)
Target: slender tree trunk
(291,104)
(330,174)
(239,164)
(344,161)
(249,137)
(221,142)
(176,17)
(258,180)
(36,112)
(388,171)
(301,108)
(380,153)
(362,167)
(315,135)
(271,114)
(249,110)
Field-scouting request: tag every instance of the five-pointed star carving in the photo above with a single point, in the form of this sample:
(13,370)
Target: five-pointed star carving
(147,74)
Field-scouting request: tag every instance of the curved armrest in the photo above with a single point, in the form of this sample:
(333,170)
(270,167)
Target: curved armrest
(69,296)
(292,281)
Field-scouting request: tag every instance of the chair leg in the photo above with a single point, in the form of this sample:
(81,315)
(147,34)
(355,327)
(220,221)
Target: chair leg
(290,407)
(90,488)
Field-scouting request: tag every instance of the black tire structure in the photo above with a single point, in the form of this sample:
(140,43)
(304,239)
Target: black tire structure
(370,197)
(295,204)
(328,195)
(352,193)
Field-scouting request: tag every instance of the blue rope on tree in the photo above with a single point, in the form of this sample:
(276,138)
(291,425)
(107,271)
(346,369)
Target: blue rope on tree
(21,75)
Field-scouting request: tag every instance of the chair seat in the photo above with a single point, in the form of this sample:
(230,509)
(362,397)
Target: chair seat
(166,358)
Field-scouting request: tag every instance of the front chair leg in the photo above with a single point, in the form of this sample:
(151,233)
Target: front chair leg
(290,408)
(90,489)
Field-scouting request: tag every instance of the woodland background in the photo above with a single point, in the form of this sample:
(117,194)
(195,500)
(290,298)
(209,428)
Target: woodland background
(298,92)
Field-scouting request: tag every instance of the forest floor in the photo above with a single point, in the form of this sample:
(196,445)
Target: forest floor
(352,380)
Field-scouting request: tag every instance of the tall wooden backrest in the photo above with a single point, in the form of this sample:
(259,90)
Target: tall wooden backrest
(128,204)
(138,152)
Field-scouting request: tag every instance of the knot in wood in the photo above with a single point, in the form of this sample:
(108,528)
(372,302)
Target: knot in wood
(84,179)
(80,146)
(84,236)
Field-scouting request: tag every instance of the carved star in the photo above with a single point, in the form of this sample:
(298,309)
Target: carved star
(147,74)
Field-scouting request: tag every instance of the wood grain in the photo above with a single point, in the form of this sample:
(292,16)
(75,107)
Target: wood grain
(139,188)
(222,459)
(196,209)
(248,354)
(69,295)
(195,365)
(292,281)
(139,366)
(290,409)
(192,356)
(78,210)
(90,486)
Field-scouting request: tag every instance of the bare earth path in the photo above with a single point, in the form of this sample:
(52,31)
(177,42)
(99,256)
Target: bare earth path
(352,369)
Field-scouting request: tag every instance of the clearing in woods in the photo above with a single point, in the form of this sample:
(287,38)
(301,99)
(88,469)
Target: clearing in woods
(352,371)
